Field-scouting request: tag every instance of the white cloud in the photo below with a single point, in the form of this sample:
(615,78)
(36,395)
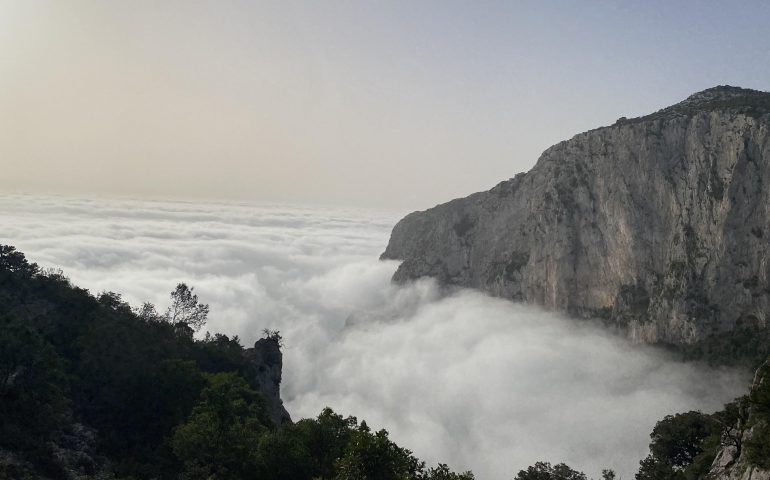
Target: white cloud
(462,378)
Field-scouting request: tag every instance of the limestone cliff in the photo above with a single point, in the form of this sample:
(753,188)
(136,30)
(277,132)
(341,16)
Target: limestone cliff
(735,460)
(658,224)
(267,359)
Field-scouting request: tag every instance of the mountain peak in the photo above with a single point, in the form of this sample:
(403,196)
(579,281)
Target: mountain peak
(719,94)
(659,229)
(722,97)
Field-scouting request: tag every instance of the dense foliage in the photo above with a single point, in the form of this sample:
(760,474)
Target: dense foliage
(757,447)
(748,345)
(685,445)
(682,447)
(90,386)
(544,471)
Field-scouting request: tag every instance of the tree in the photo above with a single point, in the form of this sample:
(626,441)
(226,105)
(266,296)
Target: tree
(309,448)
(185,308)
(147,313)
(114,301)
(32,402)
(14,261)
(375,457)
(608,474)
(651,468)
(154,403)
(284,454)
(681,447)
(219,440)
(273,336)
(328,437)
(732,422)
(220,353)
(544,471)
(677,439)
(757,447)
(442,472)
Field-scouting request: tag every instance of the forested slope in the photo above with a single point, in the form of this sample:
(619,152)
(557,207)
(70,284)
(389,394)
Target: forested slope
(91,388)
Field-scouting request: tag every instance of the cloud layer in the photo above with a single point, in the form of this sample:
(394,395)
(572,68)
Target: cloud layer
(462,378)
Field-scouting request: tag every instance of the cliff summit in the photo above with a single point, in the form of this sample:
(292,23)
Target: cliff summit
(658,225)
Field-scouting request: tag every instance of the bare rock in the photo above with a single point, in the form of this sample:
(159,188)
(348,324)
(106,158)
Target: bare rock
(659,225)
(267,359)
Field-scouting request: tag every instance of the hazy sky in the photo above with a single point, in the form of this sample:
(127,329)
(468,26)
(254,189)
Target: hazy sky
(402,104)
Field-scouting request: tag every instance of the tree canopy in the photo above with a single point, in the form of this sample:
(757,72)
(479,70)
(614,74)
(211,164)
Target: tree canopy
(92,387)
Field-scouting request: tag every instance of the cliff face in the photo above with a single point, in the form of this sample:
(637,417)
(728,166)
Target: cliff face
(734,459)
(659,225)
(267,359)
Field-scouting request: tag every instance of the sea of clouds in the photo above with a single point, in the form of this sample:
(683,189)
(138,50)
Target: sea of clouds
(462,378)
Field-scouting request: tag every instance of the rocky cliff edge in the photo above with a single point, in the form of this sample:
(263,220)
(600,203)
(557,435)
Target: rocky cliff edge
(658,225)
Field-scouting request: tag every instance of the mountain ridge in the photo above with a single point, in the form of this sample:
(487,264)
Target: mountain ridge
(655,225)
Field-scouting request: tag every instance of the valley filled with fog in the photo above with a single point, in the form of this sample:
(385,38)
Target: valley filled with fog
(462,378)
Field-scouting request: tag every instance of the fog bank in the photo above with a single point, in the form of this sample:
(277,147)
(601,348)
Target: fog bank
(476,382)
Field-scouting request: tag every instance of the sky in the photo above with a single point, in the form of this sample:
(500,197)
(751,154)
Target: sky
(476,382)
(389,104)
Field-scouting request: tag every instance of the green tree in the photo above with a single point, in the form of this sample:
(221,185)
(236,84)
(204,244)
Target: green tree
(185,308)
(219,440)
(148,313)
(758,446)
(220,353)
(285,454)
(31,380)
(608,474)
(14,261)
(327,438)
(651,468)
(141,387)
(683,446)
(375,457)
(678,439)
(33,407)
(544,471)
(442,472)
(732,421)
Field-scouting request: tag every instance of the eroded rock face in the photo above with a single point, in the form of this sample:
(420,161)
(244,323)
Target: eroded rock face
(74,457)
(731,462)
(659,225)
(729,467)
(267,359)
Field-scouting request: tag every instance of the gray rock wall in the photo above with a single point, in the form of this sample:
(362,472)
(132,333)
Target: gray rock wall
(659,225)
(267,359)
(730,462)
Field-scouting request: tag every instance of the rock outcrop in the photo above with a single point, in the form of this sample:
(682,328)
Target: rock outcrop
(74,457)
(658,225)
(732,461)
(267,359)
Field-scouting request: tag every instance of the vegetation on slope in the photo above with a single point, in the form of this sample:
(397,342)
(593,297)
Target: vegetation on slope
(90,388)
(684,446)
